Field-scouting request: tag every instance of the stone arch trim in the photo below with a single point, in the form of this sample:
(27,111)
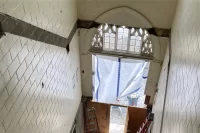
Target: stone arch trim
(137,18)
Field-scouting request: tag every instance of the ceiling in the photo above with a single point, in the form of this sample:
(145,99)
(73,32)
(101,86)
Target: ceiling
(159,12)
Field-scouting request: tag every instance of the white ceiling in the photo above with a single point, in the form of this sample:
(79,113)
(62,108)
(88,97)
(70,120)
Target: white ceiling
(159,12)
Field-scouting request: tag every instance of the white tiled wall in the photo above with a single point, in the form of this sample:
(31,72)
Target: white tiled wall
(27,106)
(182,111)
(57,16)
(40,87)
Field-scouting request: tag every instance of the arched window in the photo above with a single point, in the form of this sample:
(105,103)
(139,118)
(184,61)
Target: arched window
(124,40)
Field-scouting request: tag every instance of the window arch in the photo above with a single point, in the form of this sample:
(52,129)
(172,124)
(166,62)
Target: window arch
(123,40)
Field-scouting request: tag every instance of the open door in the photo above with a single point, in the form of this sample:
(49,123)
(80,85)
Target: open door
(115,118)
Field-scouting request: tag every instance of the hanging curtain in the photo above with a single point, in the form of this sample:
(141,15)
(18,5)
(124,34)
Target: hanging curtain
(115,78)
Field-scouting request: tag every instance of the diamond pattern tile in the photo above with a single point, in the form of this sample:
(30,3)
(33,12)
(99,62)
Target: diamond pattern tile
(37,93)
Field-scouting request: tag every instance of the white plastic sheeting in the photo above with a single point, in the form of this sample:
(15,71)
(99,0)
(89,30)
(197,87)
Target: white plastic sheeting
(115,78)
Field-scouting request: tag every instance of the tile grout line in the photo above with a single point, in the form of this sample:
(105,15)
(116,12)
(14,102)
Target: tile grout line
(26,106)
(26,63)
(41,90)
(22,77)
(16,57)
(22,47)
(34,91)
(33,81)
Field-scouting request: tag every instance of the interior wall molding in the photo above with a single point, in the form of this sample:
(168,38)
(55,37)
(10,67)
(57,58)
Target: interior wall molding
(124,15)
(160,32)
(9,24)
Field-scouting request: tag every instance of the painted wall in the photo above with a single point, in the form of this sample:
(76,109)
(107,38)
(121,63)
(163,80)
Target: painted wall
(158,12)
(160,95)
(182,110)
(25,104)
(79,121)
(155,67)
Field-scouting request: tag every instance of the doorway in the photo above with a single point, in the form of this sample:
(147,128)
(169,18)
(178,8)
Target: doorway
(118,118)
(119,81)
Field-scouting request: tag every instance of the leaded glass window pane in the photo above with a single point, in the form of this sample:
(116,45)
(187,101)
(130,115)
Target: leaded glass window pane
(122,39)
(109,40)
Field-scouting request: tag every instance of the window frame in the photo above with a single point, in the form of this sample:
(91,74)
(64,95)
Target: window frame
(146,46)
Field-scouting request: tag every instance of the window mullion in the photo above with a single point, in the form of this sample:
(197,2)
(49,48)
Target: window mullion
(103,39)
(122,34)
(116,39)
(129,40)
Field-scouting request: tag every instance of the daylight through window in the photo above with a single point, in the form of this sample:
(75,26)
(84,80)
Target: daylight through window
(122,39)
